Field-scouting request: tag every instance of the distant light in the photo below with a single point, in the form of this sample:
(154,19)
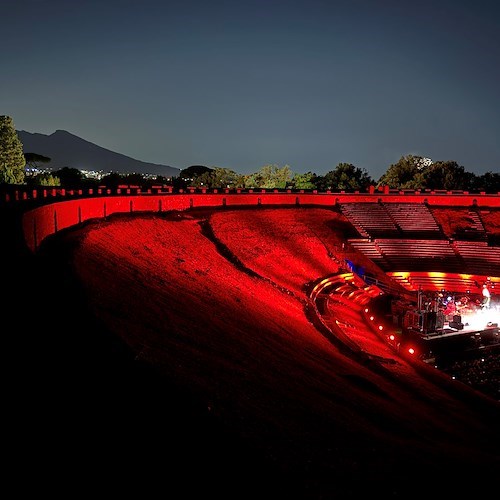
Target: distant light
(380,327)
(366,310)
(391,337)
(411,350)
(372,318)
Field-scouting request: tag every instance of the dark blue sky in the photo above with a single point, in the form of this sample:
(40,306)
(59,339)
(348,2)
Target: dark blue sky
(240,84)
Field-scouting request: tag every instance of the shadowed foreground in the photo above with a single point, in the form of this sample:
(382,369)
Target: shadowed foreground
(179,355)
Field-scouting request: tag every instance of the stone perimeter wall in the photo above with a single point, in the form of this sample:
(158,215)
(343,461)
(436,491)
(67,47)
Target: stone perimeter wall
(47,219)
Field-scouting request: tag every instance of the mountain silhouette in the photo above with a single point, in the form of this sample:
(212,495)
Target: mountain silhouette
(68,150)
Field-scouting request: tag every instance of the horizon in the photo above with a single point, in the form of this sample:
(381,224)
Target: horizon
(161,165)
(304,84)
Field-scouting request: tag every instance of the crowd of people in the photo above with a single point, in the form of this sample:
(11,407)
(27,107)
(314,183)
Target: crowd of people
(481,372)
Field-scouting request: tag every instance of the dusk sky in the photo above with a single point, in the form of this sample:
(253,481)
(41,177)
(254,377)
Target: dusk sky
(242,84)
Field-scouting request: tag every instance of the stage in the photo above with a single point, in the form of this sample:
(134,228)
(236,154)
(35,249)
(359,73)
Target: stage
(433,335)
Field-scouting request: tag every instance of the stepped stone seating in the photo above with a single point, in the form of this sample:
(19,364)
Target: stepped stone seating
(370,249)
(479,257)
(370,219)
(432,247)
(414,218)
(419,255)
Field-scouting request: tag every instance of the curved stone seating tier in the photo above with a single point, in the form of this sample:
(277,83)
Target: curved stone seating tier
(466,257)
(419,255)
(433,281)
(479,257)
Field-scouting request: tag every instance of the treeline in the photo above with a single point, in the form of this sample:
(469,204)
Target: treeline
(410,172)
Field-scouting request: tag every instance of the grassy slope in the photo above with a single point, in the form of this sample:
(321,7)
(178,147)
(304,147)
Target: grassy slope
(287,410)
(453,219)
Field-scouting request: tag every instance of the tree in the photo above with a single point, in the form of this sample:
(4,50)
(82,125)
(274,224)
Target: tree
(33,160)
(70,177)
(47,180)
(403,174)
(270,177)
(304,181)
(446,175)
(113,180)
(251,181)
(205,179)
(280,177)
(12,159)
(345,177)
(224,178)
(190,173)
(217,177)
(488,182)
(133,179)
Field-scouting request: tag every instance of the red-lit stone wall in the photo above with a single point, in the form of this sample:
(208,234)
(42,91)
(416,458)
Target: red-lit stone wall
(48,219)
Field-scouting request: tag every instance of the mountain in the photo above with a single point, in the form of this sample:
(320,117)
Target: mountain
(68,150)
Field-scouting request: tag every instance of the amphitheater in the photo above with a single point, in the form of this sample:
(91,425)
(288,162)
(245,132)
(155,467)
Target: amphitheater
(236,343)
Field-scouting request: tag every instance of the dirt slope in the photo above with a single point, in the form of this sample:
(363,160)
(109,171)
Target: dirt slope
(180,357)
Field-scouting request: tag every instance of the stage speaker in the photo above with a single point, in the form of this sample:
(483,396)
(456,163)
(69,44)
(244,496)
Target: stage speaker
(457,318)
(456,325)
(430,321)
(440,320)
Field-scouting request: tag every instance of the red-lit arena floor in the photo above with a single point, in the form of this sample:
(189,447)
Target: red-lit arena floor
(221,384)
